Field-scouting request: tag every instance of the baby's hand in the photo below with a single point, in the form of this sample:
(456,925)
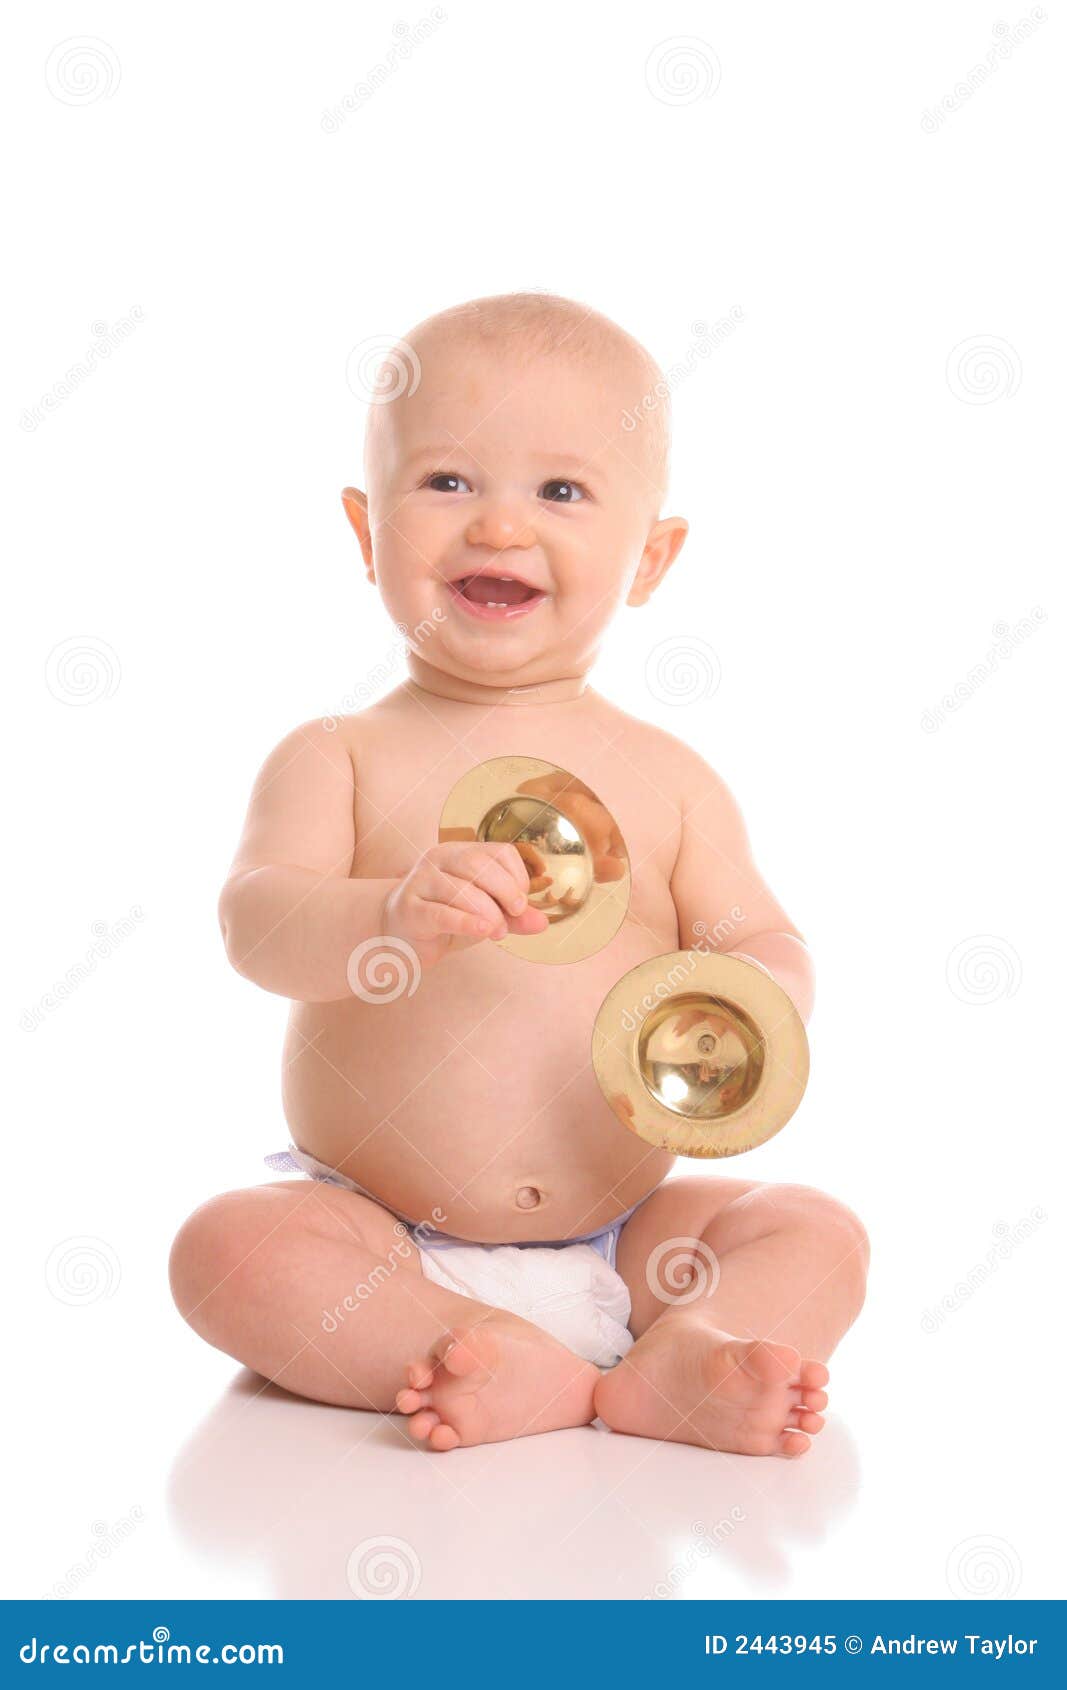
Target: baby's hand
(458,894)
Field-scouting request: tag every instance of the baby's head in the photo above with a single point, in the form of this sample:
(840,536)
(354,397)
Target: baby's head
(526,441)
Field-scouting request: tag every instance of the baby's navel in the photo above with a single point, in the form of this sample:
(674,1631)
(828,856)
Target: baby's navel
(528,1197)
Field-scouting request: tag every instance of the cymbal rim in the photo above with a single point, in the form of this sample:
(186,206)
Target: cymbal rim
(616,1061)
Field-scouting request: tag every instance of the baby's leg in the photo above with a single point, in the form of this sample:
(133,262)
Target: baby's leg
(740,1292)
(321,1291)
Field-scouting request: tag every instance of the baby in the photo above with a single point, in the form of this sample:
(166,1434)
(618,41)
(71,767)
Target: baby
(482,1246)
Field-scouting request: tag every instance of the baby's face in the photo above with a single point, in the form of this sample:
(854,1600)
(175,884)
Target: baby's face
(501,466)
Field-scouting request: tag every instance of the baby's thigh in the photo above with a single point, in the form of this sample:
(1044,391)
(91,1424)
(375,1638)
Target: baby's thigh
(287,1222)
(663,1241)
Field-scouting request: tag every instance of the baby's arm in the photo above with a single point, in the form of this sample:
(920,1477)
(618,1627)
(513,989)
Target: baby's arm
(292,913)
(291,916)
(719,895)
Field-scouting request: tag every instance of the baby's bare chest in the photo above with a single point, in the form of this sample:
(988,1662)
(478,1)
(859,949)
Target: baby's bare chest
(406,771)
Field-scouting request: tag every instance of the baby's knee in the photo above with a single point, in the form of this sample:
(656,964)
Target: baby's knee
(209,1251)
(806,1204)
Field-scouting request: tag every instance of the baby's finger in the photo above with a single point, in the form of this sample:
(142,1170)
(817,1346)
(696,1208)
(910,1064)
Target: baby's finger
(498,870)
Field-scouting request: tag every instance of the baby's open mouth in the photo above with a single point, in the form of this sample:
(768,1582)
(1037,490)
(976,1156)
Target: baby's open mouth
(495,596)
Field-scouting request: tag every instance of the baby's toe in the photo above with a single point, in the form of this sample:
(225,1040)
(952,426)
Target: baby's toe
(814,1399)
(408,1400)
(792,1444)
(815,1374)
(444,1437)
(422,1424)
(806,1421)
(466,1350)
(420,1374)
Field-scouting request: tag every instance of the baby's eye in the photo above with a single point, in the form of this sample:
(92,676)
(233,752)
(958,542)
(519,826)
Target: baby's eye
(445,483)
(562,492)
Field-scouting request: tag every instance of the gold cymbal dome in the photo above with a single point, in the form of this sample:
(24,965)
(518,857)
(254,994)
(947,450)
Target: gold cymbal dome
(576,860)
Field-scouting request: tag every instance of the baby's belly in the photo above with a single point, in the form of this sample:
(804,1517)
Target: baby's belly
(473,1104)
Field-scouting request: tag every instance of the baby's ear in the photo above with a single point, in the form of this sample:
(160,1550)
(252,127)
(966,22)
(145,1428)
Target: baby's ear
(355,504)
(665,541)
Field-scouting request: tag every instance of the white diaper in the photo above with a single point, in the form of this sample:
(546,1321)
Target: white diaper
(568,1290)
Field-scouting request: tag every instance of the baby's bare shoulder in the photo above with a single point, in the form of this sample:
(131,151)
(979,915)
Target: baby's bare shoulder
(675,765)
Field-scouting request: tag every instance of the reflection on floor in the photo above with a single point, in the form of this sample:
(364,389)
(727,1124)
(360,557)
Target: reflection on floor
(310,1501)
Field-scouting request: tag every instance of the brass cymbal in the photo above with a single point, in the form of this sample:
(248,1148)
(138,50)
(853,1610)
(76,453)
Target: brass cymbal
(700,1053)
(577,863)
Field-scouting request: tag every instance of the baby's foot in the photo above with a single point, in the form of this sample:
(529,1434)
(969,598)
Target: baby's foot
(685,1380)
(500,1378)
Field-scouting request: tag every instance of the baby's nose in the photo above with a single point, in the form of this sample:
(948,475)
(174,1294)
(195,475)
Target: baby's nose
(500,527)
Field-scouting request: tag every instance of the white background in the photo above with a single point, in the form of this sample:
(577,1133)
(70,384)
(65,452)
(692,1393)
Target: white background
(864,514)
